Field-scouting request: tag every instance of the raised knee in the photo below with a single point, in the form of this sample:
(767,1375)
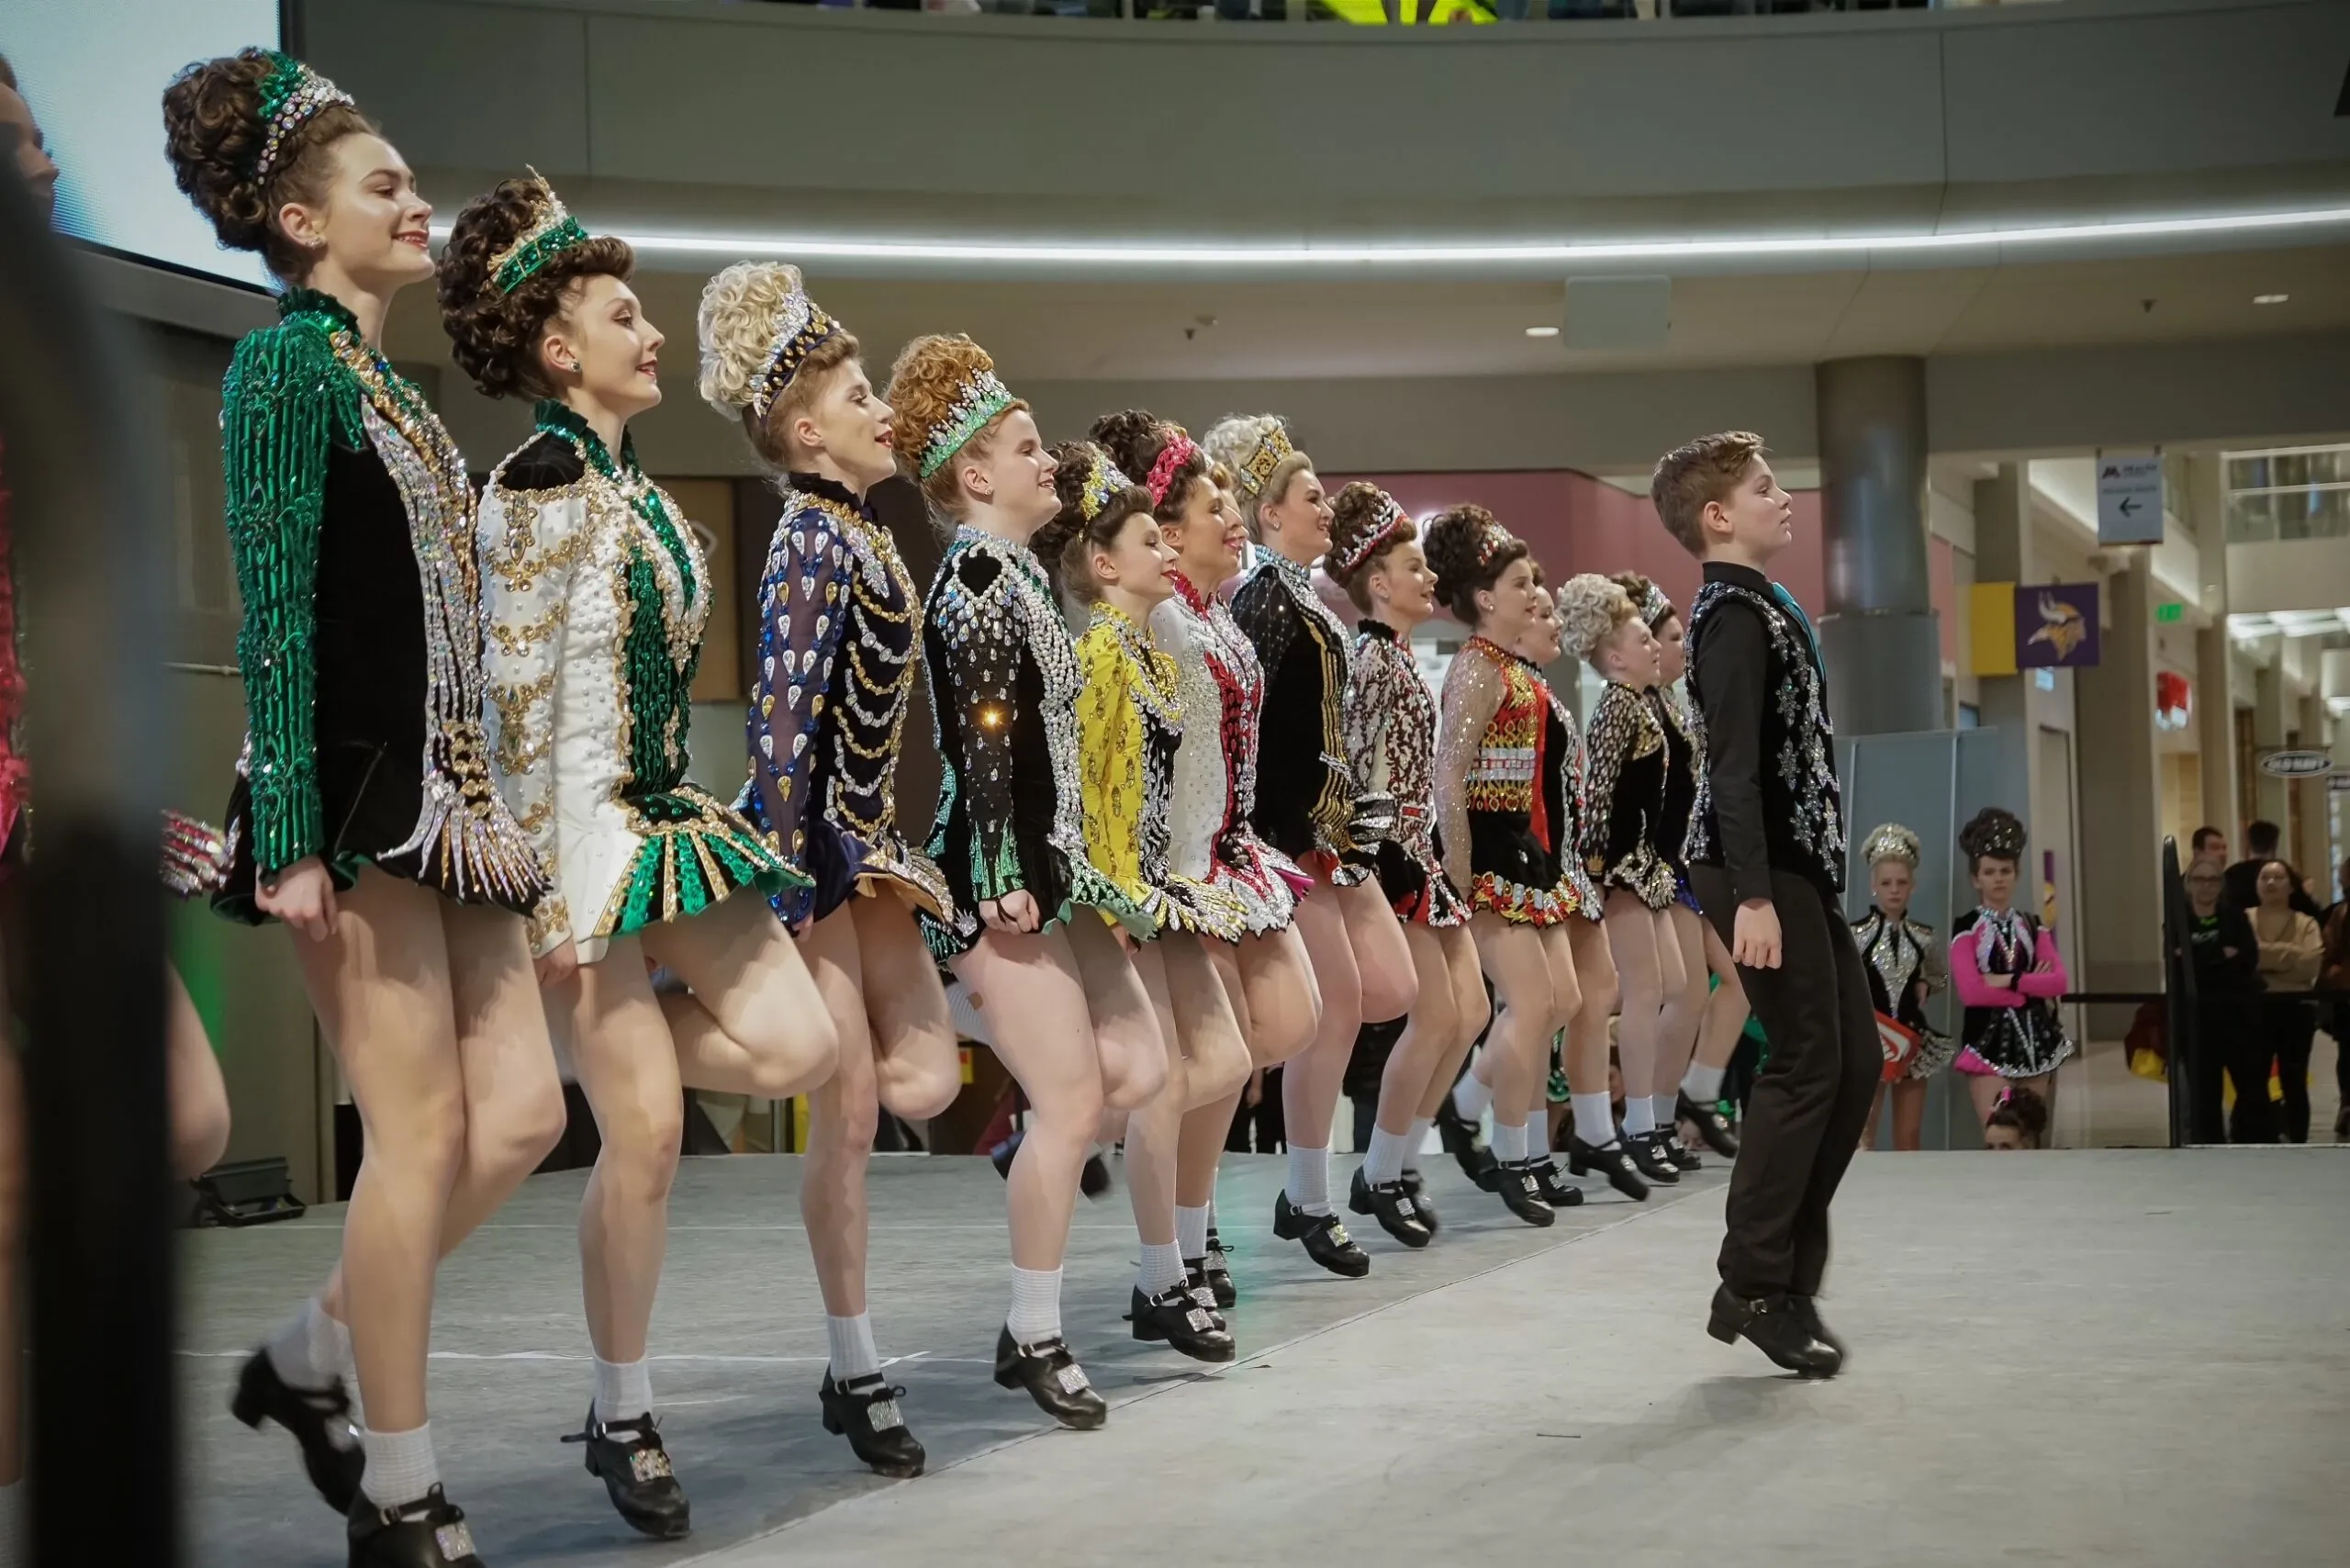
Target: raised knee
(1137,1085)
(522,1128)
(795,1056)
(920,1091)
(1473,1012)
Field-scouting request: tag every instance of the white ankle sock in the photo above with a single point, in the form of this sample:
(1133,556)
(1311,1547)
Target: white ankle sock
(624,1389)
(312,1351)
(1594,1122)
(1192,1230)
(400,1466)
(1639,1116)
(1384,1160)
(1416,1140)
(1470,1098)
(848,1345)
(14,1549)
(1666,1104)
(1036,1314)
(1703,1084)
(1509,1143)
(1309,1180)
(1163,1268)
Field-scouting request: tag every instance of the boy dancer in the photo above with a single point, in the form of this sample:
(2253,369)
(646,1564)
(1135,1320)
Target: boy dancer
(1766,858)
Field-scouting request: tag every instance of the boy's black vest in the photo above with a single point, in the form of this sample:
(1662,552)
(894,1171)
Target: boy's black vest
(1803,811)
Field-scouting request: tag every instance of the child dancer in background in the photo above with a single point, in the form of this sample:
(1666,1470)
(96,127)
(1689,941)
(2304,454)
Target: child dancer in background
(1907,963)
(2007,971)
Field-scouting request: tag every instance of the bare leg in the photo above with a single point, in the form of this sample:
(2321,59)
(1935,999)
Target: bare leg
(1566,1002)
(1201,1146)
(1985,1089)
(200,1099)
(1430,1031)
(1641,941)
(1389,984)
(1215,1053)
(1868,1128)
(843,1115)
(916,1072)
(1587,1030)
(1513,957)
(628,1068)
(1311,1081)
(1471,1012)
(1035,1002)
(1277,993)
(1909,1115)
(1684,1004)
(755,1024)
(1132,1050)
(1153,1129)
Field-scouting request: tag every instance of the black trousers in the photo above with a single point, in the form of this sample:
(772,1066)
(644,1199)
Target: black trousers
(2290,1026)
(1803,1118)
(2223,1021)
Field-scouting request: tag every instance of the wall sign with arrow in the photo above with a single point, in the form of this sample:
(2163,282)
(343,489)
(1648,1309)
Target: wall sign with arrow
(2129,499)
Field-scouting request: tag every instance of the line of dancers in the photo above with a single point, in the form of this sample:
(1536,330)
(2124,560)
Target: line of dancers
(1210,832)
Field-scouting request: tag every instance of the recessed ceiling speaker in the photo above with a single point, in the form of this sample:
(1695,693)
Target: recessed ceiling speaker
(1618,312)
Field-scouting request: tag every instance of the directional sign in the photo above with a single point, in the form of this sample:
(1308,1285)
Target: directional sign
(2130,500)
(2297,764)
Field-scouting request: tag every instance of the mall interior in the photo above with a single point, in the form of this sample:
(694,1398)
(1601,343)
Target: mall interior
(2044,310)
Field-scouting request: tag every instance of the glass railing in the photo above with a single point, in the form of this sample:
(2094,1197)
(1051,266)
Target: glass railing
(2295,492)
(1388,13)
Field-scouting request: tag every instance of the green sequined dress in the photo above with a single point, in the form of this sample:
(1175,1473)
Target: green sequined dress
(595,594)
(351,521)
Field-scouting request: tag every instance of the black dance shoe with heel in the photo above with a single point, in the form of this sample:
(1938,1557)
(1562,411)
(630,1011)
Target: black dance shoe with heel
(1326,1241)
(1806,1311)
(1712,1126)
(428,1533)
(1180,1320)
(865,1411)
(1416,1184)
(1461,1139)
(1772,1326)
(1611,1160)
(627,1457)
(319,1420)
(1216,1270)
(1556,1191)
(1521,1194)
(1685,1158)
(1649,1157)
(1052,1378)
(1392,1206)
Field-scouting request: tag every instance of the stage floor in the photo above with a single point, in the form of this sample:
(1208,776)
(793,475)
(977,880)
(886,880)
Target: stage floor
(2129,1356)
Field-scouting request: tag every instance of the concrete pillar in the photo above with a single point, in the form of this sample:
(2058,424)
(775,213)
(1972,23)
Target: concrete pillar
(2312,829)
(1878,633)
(2120,868)
(2215,722)
(2003,553)
(2270,719)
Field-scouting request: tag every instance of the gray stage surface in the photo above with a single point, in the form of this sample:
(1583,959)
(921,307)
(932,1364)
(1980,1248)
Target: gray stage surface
(2129,1356)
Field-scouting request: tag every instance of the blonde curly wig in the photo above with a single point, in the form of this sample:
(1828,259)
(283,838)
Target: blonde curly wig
(1590,610)
(736,327)
(1232,441)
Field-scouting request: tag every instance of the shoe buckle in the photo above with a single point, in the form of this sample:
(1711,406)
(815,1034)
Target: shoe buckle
(1073,1379)
(882,1415)
(1199,1320)
(455,1541)
(1338,1236)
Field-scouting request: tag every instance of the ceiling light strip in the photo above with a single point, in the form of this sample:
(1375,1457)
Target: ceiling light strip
(1315,254)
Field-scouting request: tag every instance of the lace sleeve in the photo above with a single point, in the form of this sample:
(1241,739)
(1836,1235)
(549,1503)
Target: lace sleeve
(1371,697)
(1472,695)
(802,616)
(530,547)
(983,691)
(1261,609)
(1607,742)
(282,404)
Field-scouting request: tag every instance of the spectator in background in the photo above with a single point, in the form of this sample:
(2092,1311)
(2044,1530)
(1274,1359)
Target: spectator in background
(2289,950)
(2333,976)
(2019,1120)
(2209,844)
(2226,957)
(2243,888)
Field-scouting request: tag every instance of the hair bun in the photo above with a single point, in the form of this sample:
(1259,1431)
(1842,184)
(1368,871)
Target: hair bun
(735,326)
(1994,831)
(1591,607)
(213,135)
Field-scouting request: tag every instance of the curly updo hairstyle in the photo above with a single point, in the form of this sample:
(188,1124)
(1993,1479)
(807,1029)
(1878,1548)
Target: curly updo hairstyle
(1067,543)
(930,375)
(1359,508)
(1591,607)
(1648,599)
(494,338)
(213,134)
(2024,1111)
(1231,441)
(1453,539)
(737,326)
(1135,441)
(1992,834)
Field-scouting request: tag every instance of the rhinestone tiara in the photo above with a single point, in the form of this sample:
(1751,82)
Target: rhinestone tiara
(552,232)
(982,398)
(1273,449)
(1104,483)
(1891,841)
(1374,539)
(801,327)
(291,96)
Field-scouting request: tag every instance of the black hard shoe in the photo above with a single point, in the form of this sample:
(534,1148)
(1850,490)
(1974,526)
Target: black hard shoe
(1613,1161)
(428,1533)
(1095,1179)
(865,1412)
(1461,1139)
(1772,1325)
(1392,1206)
(1521,1194)
(1052,1378)
(1218,1273)
(1178,1317)
(1683,1158)
(319,1420)
(1711,1125)
(1556,1190)
(627,1456)
(1000,1155)
(1418,1186)
(1806,1311)
(1414,1183)
(1326,1241)
(1652,1160)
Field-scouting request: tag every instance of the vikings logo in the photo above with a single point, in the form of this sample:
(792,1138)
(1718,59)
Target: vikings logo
(2061,627)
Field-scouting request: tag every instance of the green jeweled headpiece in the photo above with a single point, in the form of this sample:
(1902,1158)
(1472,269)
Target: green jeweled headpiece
(552,231)
(290,95)
(981,399)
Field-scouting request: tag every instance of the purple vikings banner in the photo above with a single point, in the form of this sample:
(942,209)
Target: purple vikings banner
(2055,625)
